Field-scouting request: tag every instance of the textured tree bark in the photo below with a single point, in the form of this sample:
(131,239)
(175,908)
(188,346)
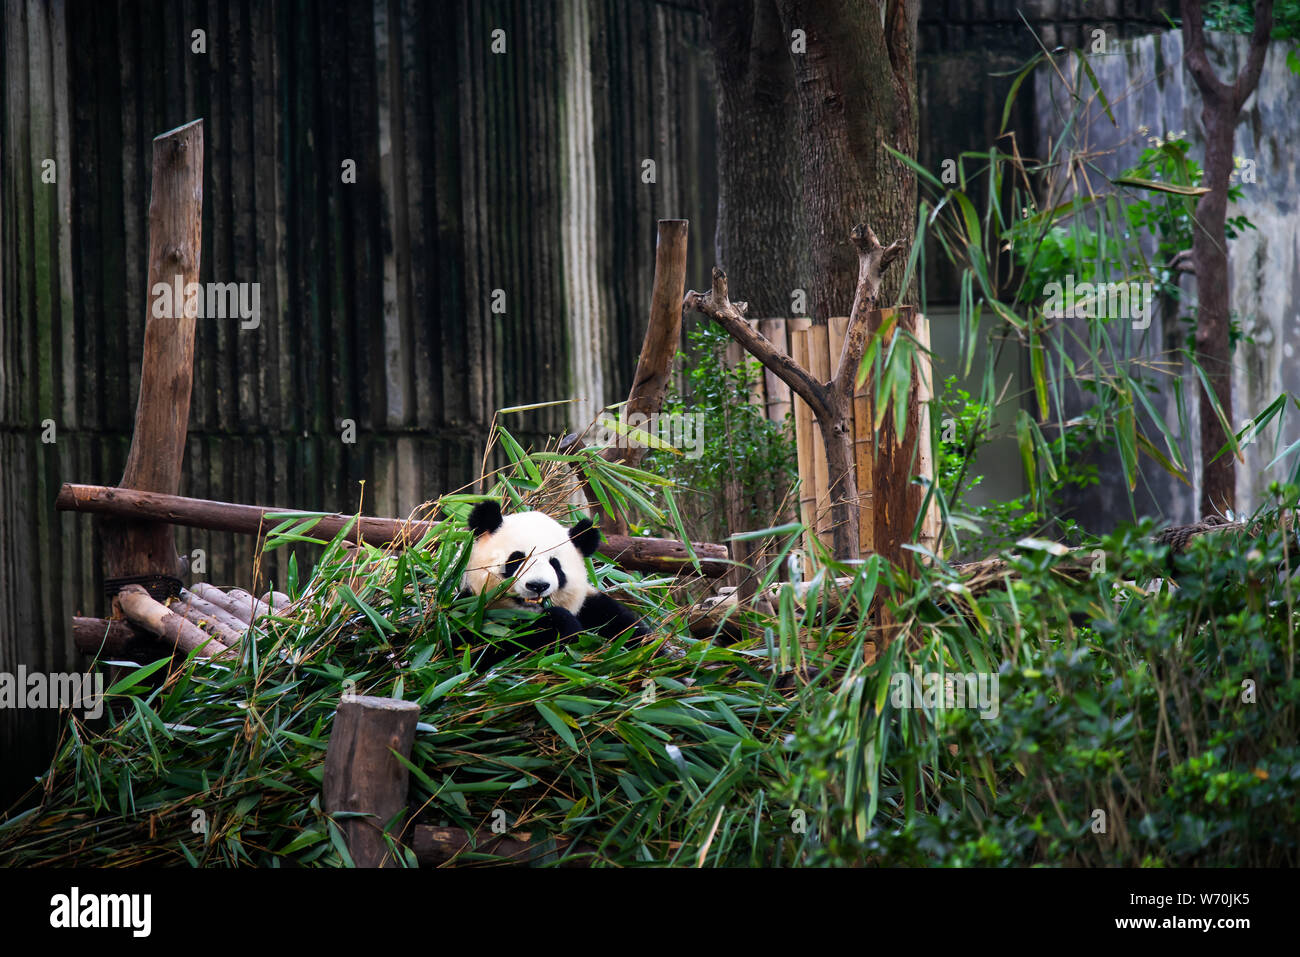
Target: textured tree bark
(1221,105)
(167,371)
(855,89)
(758,170)
(663,335)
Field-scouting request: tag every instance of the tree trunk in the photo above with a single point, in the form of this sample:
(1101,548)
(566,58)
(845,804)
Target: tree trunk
(1221,105)
(855,89)
(1210,255)
(758,172)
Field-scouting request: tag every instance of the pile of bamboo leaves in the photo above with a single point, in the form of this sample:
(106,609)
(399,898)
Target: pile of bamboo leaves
(667,753)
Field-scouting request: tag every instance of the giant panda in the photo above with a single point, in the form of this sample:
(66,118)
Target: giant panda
(545,563)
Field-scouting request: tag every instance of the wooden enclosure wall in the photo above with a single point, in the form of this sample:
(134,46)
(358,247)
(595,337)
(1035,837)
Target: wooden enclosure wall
(474,172)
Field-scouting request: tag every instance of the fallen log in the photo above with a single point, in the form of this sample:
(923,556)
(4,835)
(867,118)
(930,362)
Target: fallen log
(114,638)
(631,553)
(157,619)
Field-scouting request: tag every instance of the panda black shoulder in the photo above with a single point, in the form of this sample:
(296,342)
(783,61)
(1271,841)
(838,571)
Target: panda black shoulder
(607,616)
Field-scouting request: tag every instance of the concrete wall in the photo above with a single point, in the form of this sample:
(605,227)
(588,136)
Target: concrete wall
(1148,87)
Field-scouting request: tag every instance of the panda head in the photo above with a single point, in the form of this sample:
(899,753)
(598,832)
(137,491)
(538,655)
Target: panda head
(544,558)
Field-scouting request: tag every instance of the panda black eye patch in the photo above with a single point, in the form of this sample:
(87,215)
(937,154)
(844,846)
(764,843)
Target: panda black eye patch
(560,578)
(512,564)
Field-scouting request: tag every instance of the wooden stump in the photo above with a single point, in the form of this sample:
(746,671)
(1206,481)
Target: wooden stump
(361,773)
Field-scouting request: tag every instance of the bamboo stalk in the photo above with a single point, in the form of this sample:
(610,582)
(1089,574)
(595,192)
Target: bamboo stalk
(805,445)
(931,524)
(819,366)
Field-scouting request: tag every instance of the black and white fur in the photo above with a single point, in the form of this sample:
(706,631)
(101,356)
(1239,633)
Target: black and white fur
(546,562)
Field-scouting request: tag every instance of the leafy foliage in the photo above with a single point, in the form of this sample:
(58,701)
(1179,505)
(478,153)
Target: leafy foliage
(744,454)
(1238,16)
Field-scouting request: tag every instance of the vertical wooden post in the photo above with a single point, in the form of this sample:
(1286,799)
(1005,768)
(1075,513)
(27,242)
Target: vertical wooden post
(361,773)
(663,336)
(896,499)
(167,373)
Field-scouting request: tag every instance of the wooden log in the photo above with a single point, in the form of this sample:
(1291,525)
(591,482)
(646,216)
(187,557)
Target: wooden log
(440,845)
(361,773)
(276,601)
(135,547)
(244,604)
(114,638)
(663,334)
(212,610)
(222,632)
(629,552)
(665,555)
(157,619)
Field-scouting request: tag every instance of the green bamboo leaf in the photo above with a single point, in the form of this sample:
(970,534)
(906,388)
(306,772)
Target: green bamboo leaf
(1160,186)
(559,721)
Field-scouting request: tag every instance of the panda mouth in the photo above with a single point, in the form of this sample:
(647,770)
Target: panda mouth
(544,601)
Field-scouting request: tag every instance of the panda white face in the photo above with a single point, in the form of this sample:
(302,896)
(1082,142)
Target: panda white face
(542,557)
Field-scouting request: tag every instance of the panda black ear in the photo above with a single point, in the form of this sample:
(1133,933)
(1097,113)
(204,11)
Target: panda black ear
(586,537)
(485,517)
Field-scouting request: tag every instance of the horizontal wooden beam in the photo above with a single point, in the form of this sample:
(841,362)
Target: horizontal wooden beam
(115,638)
(660,555)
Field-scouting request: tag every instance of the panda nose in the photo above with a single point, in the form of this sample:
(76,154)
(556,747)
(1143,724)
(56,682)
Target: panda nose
(537,586)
